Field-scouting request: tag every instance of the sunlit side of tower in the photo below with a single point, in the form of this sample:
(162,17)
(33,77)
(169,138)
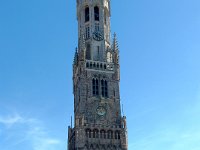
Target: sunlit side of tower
(98,122)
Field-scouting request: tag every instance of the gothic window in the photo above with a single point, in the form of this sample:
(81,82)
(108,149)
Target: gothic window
(95,133)
(87,32)
(110,134)
(88,133)
(87,65)
(104,88)
(96,13)
(98,52)
(87,14)
(117,135)
(101,66)
(104,66)
(95,87)
(102,134)
(94,65)
(88,52)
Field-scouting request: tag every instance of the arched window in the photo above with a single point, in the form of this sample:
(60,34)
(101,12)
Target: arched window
(88,133)
(104,66)
(101,66)
(96,13)
(87,14)
(94,65)
(117,135)
(95,87)
(102,134)
(104,88)
(110,134)
(95,133)
(87,65)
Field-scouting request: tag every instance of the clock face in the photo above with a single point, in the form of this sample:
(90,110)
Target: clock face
(98,36)
(101,111)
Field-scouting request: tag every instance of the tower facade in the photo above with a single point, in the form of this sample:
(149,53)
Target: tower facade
(98,122)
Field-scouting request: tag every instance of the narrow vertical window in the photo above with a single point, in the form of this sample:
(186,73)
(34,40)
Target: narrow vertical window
(88,133)
(87,32)
(96,13)
(98,53)
(110,134)
(95,87)
(88,52)
(102,134)
(105,21)
(117,135)
(104,88)
(87,14)
(95,133)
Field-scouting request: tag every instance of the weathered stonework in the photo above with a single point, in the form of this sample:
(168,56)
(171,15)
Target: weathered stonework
(98,123)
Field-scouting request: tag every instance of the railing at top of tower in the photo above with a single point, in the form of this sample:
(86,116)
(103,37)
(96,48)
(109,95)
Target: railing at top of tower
(97,65)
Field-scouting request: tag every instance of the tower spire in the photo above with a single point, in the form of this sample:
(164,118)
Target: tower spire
(76,56)
(115,43)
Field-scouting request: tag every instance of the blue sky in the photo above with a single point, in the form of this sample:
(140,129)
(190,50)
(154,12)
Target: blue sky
(160,72)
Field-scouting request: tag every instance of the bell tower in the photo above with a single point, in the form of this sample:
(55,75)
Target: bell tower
(98,122)
(94,25)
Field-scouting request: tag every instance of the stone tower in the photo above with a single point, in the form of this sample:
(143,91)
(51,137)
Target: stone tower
(98,122)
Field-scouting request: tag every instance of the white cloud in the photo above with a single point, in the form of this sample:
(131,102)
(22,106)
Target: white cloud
(10,120)
(31,131)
